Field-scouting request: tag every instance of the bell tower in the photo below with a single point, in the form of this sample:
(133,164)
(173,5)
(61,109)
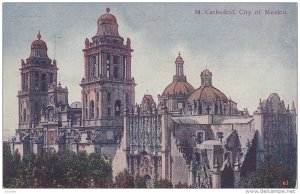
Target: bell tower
(36,74)
(107,85)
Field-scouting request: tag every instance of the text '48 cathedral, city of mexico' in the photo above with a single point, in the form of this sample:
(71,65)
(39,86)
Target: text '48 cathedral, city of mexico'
(194,136)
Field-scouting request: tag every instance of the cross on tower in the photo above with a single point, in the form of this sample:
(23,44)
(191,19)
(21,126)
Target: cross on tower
(208,109)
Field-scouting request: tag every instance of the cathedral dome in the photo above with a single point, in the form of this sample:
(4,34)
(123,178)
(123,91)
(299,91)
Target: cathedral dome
(39,49)
(107,18)
(179,87)
(39,44)
(207,93)
(107,25)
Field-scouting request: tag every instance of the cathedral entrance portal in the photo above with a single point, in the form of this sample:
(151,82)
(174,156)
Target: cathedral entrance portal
(148,181)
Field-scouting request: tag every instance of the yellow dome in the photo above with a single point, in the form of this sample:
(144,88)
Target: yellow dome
(179,87)
(207,93)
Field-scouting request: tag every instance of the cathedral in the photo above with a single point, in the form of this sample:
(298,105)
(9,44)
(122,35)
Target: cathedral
(194,136)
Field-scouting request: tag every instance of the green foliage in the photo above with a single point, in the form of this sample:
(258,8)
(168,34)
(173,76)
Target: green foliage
(100,172)
(139,182)
(124,180)
(63,169)
(270,174)
(182,185)
(11,164)
(163,183)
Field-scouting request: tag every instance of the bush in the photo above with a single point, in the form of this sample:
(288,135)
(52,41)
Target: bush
(163,183)
(182,185)
(124,180)
(64,169)
(139,182)
(270,174)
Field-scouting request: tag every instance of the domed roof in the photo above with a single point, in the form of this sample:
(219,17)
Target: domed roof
(39,44)
(207,93)
(107,18)
(39,50)
(179,87)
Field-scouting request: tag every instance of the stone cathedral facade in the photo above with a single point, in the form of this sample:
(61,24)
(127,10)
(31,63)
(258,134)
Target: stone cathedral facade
(195,136)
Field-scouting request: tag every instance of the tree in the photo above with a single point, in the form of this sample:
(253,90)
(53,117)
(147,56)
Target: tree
(270,174)
(163,183)
(11,164)
(139,182)
(100,172)
(124,180)
(65,169)
(182,185)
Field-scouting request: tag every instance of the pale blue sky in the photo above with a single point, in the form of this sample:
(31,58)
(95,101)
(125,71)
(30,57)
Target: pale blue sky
(249,56)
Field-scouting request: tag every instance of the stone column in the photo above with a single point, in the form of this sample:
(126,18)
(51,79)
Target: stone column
(126,134)
(237,174)
(191,178)
(86,65)
(216,176)
(164,145)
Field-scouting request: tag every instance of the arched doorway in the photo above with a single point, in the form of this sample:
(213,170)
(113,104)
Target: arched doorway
(227,174)
(227,177)
(92,106)
(148,181)
(118,108)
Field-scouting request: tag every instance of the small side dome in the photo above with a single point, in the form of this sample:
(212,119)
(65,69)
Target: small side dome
(178,59)
(208,94)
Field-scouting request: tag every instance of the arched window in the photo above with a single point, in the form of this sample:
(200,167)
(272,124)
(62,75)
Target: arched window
(127,100)
(108,111)
(92,109)
(97,112)
(51,78)
(97,97)
(115,72)
(36,111)
(44,82)
(108,97)
(200,137)
(200,108)
(93,71)
(108,65)
(216,108)
(118,108)
(124,67)
(93,60)
(24,115)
